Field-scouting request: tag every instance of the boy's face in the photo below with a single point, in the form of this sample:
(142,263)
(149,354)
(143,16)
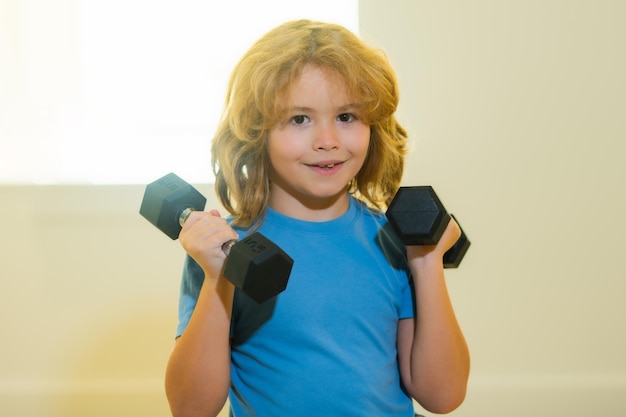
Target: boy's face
(317,148)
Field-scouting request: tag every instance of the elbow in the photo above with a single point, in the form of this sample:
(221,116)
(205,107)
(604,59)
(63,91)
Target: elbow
(182,409)
(445,401)
(193,413)
(205,403)
(193,393)
(446,405)
(437,396)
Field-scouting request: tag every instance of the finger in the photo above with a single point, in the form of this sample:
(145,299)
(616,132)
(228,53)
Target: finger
(207,230)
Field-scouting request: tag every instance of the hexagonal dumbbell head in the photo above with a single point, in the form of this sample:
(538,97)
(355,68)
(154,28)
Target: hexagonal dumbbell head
(165,200)
(255,265)
(419,218)
(417,215)
(258,267)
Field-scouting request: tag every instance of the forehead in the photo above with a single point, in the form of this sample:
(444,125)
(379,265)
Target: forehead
(314,83)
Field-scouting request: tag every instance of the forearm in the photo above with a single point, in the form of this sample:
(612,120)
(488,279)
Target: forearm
(198,372)
(439,364)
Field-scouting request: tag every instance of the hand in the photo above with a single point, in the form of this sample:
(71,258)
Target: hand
(447,240)
(202,237)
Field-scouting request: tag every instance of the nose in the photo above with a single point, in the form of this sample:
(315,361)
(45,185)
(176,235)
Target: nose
(326,138)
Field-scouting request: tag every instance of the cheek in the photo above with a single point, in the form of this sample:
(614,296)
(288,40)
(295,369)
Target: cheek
(362,142)
(280,149)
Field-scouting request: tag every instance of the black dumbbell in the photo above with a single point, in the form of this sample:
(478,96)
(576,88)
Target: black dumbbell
(419,218)
(255,265)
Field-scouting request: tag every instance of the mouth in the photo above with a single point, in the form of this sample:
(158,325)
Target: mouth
(327,167)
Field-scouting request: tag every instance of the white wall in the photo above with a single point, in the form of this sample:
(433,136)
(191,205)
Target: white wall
(517,110)
(517,113)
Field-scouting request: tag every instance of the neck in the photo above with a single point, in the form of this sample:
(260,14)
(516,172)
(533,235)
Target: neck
(311,209)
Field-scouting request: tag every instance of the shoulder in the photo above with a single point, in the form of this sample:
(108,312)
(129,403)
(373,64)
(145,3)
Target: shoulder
(385,237)
(367,212)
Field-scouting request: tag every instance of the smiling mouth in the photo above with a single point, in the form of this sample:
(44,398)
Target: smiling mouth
(326,166)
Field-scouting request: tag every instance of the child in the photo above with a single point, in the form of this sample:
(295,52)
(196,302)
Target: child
(308,152)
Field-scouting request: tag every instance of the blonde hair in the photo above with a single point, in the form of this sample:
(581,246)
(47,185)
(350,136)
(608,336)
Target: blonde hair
(265,73)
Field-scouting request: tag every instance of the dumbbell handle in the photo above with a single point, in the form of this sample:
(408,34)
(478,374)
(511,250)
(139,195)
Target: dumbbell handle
(184,215)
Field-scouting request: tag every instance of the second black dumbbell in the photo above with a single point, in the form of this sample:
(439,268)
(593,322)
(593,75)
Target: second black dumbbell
(255,265)
(419,218)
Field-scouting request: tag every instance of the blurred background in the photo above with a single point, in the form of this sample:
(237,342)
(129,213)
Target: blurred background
(517,116)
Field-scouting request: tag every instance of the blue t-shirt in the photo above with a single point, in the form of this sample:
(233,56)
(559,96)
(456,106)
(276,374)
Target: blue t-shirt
(327,344)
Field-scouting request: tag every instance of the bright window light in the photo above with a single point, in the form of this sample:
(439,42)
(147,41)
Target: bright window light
(124,91)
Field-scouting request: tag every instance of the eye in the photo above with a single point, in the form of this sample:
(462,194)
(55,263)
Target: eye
(346,117)
(299,119)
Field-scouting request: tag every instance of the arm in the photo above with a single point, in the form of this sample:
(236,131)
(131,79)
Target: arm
(432,352)
(198,372)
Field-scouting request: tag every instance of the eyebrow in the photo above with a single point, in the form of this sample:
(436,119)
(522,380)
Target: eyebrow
(295,109)
(304,109)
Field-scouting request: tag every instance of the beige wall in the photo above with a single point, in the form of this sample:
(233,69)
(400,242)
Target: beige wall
(516,110)
(88,302)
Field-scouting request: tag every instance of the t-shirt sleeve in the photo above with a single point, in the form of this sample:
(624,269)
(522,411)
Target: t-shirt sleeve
(395,253)
(407,308)
(190,286)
